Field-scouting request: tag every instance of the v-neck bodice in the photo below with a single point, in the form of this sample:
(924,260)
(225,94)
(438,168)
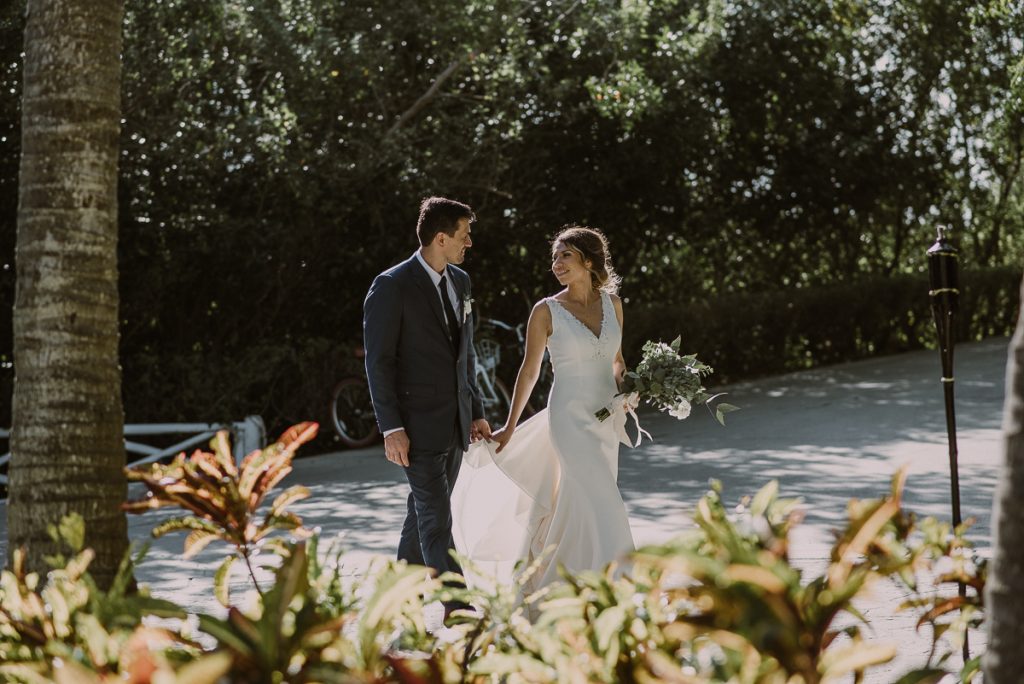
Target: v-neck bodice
(576,349)
(600,325)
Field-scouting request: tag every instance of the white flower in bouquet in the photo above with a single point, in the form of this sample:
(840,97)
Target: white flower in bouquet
(669,382)
(680,410)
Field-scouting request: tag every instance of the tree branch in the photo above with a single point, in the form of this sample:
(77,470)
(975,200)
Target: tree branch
(426,97)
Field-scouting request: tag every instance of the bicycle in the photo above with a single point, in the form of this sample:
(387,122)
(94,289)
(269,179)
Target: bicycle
(493,391)
(544,380)
(352,410)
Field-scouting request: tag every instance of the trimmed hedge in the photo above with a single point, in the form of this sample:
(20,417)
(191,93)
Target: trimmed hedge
(740,336)
(755,334)
(746,335)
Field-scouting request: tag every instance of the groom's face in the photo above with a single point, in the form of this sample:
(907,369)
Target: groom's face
(455,246)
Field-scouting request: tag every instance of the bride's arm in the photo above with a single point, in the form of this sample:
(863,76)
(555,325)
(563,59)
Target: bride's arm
(538,329)
(619,365)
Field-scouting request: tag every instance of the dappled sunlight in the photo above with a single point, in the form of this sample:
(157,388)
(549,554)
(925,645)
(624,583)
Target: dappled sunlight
(846,442)
(827,436)
(365,516)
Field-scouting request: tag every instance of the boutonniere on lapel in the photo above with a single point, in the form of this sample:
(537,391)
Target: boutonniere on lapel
(467,308)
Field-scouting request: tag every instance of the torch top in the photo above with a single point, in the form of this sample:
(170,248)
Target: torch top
(942,247)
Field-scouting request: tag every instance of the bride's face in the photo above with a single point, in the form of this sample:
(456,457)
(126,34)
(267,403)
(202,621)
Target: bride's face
(567,265)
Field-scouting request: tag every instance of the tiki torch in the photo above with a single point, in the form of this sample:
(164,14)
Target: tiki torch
(945,294)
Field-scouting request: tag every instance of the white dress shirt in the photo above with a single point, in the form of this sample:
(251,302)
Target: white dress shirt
(435,278)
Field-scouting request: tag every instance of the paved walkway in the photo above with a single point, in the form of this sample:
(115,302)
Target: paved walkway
(827,435)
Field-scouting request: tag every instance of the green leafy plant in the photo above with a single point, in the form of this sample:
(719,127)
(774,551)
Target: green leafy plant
(501,639)
(308,627)
(223,499)
(763,616)
(724,603)
(65,629)
(950,562)
(721,603)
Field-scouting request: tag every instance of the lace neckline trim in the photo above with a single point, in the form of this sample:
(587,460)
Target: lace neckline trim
(596,335)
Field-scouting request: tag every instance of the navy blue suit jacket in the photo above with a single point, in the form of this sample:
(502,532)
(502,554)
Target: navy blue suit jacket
(418,380)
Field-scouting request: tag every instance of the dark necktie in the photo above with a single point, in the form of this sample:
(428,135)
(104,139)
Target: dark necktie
(449,312)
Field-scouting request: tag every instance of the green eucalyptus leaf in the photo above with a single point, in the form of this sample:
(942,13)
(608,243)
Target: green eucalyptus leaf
(721,410)
(505,664)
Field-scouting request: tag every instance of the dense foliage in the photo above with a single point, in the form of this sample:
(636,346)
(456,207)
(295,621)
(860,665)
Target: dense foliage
(274,153)
(722,602)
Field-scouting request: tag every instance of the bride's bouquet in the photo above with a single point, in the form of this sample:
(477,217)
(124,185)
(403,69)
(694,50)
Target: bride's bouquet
(667,381)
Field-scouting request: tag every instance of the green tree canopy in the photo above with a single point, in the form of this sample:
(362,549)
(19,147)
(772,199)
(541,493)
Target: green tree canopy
(274,153)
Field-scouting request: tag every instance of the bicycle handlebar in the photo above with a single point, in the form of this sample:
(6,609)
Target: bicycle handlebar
(498,324)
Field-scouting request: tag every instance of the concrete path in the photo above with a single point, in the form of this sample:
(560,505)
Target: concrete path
(826,435)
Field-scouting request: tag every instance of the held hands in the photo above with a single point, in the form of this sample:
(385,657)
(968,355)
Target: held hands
(479,429)
(396,448)
(396,445)
(503,436)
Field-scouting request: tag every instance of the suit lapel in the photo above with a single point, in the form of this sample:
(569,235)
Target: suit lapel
(460,298)
(423,281)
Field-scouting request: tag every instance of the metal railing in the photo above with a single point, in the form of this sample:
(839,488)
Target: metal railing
(248,435)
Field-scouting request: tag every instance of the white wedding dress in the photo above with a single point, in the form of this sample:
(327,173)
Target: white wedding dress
(552,491)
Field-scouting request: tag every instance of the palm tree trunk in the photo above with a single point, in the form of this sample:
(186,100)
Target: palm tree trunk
(67,434)
(1004,591)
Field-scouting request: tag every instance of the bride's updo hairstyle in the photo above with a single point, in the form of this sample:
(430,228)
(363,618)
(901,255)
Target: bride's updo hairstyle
(592,246)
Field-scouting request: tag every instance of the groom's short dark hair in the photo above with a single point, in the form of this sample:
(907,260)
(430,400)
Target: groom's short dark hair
(440,215)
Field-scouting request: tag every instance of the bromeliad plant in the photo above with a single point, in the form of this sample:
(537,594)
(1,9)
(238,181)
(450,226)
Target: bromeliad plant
(742,597)
(309,627)
(63,628)
(309,624)
(224,499)
(724,603)
(734,590)
(952,561)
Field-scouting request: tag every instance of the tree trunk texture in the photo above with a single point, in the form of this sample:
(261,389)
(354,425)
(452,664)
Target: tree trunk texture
(1004,592)
(67,440)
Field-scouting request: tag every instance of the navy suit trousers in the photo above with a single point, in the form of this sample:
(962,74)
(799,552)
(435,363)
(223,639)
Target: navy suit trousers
(427,532)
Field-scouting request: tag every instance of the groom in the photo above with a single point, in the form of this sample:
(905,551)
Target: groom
(421,367)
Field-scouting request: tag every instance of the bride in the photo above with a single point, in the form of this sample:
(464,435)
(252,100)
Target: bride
(547,488)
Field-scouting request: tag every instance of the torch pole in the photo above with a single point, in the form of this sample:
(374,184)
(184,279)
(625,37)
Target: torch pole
(945,293)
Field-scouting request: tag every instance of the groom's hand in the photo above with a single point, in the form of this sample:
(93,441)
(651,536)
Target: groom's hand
(480,429)
(396,448)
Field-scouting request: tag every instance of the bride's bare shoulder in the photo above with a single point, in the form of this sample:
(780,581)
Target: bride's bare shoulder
(617,305)
(541,309)
(540,317)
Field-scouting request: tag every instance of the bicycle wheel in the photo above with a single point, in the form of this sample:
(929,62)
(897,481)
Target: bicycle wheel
(496,407)
(352,413)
